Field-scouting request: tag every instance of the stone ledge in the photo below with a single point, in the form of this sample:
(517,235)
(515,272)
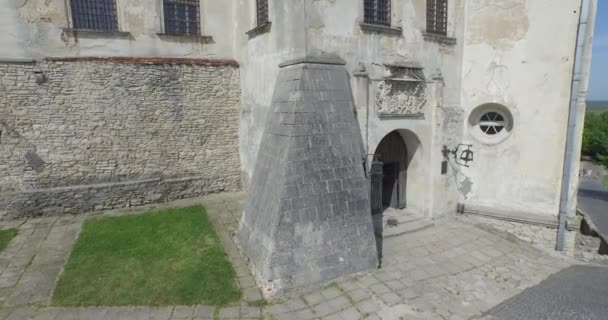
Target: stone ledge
(330,60)
(187,37)
(148,60)
(259,30)
(442,39)
(385,115)
(17,61)
(366,27)
(102,33)
(520,217)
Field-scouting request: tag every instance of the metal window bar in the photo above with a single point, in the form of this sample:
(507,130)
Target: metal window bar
(98,15)
(182,16)
(377,12)
(437,16)
(262,12)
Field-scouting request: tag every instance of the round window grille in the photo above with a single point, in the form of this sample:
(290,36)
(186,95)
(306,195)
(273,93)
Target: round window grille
(492,123)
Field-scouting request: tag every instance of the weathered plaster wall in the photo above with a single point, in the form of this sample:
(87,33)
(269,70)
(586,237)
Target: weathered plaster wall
(332,28)
(35,29)
(512,57)
(259,58)
(107,134)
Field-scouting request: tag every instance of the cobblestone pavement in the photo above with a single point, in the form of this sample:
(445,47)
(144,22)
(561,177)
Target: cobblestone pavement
(453,270)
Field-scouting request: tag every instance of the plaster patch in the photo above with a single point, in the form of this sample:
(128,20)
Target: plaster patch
(498,24)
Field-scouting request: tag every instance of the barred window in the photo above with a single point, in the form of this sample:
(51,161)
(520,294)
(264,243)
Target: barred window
(262,12)
(437,16)
(99,15)
(182,16)
(377,12)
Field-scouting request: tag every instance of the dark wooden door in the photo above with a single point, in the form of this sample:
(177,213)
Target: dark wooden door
(392,151)
(390,185)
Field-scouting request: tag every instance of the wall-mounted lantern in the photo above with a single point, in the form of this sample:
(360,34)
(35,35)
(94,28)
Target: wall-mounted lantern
(465,156)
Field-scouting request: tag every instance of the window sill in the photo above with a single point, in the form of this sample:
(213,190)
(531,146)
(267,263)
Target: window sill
(366,27)
(102,33)
(265,28)
(413,116)
(439,38)
(186,36)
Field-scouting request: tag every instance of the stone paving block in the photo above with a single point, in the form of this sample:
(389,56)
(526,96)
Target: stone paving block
(395,285)
(202,311)
(304,314)
(380,288)
(367,281)
(276,309)
(183,312)
(367,306)
(359,294)
(250,312)
(230,312)
(349,314)
(323,309)
(12,271)
(330,293)
(480,256)
(252,294)
(491,252)
(10,281)
(21,313)
(418,274)
(241,270)
(391,298)
(340,303)
(246,282)
(348,285)
(295,304)
(408,293)
(314,298)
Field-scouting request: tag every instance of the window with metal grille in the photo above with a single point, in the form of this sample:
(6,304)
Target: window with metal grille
(377,12)
(182,16)
(99,15)
(262,12)
(437,16)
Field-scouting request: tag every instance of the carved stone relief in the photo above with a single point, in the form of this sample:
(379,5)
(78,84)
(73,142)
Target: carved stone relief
(401,97)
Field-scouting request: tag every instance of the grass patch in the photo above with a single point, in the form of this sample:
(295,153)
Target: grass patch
(166,257)
(6,236)
(606,182)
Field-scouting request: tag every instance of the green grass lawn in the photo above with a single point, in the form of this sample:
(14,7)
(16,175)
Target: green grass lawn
(167,257)
(6,236)
(606,182)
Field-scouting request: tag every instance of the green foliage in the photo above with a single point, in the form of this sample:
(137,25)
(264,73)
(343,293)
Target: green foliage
(595,137)
(167,257)
(6,236)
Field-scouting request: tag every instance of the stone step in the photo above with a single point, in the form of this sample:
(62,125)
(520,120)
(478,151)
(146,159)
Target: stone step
(408,227)
(402,219)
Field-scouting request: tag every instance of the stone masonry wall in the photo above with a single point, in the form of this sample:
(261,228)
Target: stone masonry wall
(100,133)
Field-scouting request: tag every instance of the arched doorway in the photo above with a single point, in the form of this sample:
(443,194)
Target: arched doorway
(392,152)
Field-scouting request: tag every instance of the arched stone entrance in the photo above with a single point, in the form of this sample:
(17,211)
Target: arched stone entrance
(392,152)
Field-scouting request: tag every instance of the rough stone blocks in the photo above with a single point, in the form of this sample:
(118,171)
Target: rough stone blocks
(103,134)
(308,218)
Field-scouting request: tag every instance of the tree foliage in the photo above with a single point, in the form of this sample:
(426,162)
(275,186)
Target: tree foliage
(595,137)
